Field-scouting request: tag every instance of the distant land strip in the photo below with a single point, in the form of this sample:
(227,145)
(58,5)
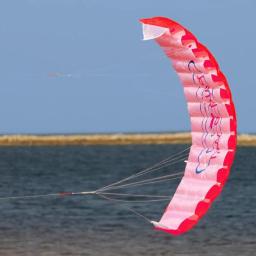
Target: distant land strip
(109,139)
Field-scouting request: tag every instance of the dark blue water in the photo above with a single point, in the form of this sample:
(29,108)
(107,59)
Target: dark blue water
(89,225)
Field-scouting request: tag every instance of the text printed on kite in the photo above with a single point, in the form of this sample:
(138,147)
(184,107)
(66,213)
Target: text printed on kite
(213,129)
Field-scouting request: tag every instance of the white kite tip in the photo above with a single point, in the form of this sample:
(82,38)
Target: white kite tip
(152,31)
(158,225)
(155,223)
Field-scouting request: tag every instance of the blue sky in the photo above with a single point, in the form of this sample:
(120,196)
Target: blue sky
(80,66)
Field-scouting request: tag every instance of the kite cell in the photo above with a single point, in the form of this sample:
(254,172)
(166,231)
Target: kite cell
(213,124)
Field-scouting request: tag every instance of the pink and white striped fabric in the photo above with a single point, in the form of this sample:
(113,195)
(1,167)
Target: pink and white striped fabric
(213,124)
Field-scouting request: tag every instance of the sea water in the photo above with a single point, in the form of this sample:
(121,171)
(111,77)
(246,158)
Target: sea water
(89,225)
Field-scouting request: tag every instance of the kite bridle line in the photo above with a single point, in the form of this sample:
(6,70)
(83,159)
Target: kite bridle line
(60,194)
(118,198)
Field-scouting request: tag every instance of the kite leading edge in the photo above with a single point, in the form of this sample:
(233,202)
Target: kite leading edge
(213,124)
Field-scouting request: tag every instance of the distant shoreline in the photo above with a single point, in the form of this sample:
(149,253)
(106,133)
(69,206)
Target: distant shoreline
(109,139)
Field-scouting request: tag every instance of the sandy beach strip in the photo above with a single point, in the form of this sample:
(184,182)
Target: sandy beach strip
(109,139)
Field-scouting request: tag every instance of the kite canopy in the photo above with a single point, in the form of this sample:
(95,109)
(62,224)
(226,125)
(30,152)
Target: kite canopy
(213,124)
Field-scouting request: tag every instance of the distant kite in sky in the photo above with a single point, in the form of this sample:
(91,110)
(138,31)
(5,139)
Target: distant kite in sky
(59,74)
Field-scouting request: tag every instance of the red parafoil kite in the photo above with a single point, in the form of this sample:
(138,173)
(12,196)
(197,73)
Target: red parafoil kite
(213,124)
